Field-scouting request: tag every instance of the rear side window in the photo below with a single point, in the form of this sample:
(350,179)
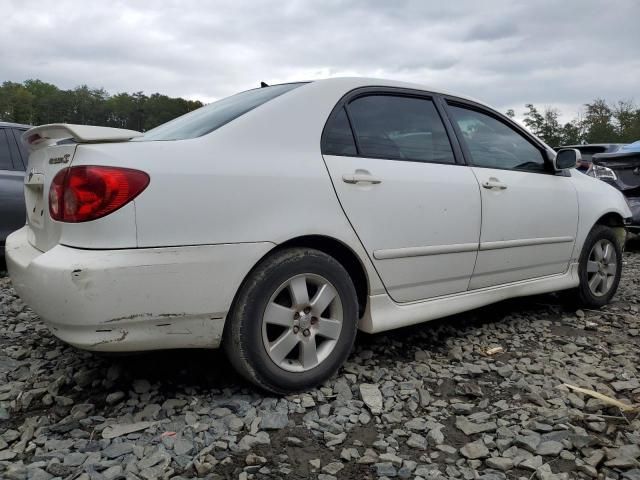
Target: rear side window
(5,153)
(210,117)
(493,144)
(337,138)
(400,128)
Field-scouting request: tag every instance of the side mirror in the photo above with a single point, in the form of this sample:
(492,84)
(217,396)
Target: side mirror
(567,158)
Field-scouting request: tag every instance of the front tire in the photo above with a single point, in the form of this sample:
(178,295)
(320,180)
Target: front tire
(600,267)
(294,321)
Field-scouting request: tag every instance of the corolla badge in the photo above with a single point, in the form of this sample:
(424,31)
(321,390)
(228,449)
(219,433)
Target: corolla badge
(64,159)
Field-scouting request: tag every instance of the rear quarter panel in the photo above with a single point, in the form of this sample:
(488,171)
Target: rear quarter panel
(259,178)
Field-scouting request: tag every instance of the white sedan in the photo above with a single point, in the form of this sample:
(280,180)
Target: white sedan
(278,221)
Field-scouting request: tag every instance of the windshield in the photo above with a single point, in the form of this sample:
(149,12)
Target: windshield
(210,117)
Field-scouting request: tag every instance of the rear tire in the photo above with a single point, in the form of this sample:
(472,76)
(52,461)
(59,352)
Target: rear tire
(600,267)
(294,321)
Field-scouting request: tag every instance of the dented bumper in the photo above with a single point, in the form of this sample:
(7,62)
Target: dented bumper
(131,299)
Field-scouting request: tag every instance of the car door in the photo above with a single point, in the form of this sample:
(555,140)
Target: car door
(12,210)
(529,212)
(413,206)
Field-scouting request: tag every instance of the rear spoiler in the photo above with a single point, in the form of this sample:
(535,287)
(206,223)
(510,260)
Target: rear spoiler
(44,135)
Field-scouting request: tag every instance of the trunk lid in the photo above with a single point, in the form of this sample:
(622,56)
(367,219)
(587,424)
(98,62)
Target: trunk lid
(626,166)
(53,148)
(44,164)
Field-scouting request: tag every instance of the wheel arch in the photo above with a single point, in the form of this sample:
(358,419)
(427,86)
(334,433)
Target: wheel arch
(615,221)
(331,246)
(343,254)
(611,219)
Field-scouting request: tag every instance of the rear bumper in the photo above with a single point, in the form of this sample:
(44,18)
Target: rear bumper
(131,299)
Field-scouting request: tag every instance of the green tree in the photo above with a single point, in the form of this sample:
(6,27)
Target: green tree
(598,123)
(16,103)
(626,118)
(571,133)
(544,125)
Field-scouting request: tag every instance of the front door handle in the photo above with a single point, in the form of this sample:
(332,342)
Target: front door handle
(360,178)
(494,184)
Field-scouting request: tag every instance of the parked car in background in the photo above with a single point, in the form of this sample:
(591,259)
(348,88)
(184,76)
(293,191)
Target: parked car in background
(622,170)
(588,150)
(277,221)
(13,159)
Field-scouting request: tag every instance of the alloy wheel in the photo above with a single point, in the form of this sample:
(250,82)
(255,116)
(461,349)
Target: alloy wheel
(602,267)
(302,322)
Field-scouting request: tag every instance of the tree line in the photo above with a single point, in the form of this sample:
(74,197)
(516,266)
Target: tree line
(599,122)
(35,102)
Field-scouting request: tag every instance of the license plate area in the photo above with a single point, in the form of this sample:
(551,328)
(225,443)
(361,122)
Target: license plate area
(34,198)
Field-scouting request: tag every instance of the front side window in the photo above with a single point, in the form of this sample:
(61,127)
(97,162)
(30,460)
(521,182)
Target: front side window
(210,117)
(493,144)
(400,128)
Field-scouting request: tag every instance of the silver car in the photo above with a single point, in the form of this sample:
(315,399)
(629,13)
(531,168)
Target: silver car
(13,159)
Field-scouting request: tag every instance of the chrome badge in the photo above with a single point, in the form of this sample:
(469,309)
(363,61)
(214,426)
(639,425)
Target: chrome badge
(64,159)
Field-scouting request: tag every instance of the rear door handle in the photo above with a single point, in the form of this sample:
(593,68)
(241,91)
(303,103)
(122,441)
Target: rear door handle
(360,178)
(494,184)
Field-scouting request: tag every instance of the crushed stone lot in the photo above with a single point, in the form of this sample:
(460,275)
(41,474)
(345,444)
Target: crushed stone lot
(478,395)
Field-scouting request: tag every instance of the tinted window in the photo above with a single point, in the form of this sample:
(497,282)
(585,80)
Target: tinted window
(210,117)
(5,154)
(403,128)
(493,144)
(337,138)
(17,134)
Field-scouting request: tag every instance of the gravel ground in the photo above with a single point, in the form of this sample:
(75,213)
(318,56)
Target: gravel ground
(422,402)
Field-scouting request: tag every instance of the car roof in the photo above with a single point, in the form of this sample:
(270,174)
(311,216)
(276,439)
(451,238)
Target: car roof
(350,83)
(14,125)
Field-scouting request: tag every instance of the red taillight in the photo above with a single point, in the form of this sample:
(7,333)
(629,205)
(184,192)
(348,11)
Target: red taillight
(83,193)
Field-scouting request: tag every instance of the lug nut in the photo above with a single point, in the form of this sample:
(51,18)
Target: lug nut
(296,329)
(307,309)
(296,315)
(314,320)
(306,332)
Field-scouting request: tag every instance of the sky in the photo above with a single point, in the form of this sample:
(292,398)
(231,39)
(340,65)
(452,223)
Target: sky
(558,54)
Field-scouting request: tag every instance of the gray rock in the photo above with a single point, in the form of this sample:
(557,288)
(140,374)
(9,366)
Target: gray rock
(274,421)
(435,437)
(470,428)
(532,463)
(182,446)
(141,386)
(333,468)
(499,463)
(372,397)
(475,450)
(386,469)
(114,397)
(549,448)
(116,450)
(417,441)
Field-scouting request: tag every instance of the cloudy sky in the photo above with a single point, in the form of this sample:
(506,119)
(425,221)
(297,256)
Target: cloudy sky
(507,53)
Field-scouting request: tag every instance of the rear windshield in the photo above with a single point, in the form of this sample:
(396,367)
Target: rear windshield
(210,117)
